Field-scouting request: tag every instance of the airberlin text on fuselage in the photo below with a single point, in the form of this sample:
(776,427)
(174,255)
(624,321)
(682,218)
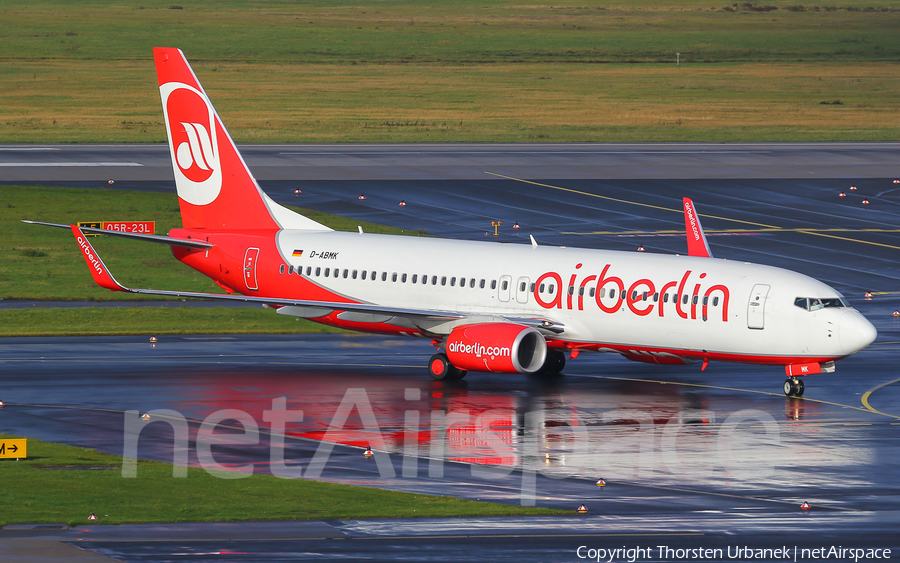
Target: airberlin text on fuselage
(86,248)
(632,296)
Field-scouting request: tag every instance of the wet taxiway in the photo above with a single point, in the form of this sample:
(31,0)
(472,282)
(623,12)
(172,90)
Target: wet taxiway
(720,453)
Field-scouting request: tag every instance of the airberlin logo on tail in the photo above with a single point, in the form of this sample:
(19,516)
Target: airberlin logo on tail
(195,156)
(689,209)
(191,124)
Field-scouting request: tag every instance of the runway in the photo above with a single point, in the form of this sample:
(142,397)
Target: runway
(690,459)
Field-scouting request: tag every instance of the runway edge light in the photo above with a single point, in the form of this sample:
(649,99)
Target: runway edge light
(368,452)
(92,517)
(601,483)
(582,509)
(805,506)
(145,416)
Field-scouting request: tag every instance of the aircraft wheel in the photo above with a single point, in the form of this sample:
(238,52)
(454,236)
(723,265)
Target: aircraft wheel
(788,387)
(798,388)
(554,364)
(457,373)
(440,368)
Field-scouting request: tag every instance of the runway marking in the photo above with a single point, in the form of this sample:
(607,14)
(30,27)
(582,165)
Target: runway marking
(737,232)
(813,232)
(414,537)
(748,391)
(66,164)
(867,394)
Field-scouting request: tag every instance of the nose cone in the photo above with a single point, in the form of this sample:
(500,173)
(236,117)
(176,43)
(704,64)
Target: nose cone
(855,332)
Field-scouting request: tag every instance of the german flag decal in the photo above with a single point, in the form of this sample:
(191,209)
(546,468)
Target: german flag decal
(297,253)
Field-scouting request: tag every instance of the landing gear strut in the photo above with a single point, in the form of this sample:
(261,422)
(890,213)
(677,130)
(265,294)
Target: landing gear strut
(793,387)
(441,369)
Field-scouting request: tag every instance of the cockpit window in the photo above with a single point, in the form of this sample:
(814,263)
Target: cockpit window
(814,303)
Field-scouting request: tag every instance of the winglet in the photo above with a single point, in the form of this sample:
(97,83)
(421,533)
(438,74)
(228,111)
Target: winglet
(95,264)
(696,239)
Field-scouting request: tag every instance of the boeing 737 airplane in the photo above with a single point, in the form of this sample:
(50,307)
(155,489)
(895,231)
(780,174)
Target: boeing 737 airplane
(511,308)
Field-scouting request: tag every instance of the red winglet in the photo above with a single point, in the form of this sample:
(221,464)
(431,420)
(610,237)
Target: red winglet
(696,238)
(95,264)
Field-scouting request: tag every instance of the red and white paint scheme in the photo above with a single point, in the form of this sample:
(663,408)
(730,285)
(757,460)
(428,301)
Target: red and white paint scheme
(487,306)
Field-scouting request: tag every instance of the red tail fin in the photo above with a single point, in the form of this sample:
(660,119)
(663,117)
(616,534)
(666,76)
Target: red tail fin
(215,188)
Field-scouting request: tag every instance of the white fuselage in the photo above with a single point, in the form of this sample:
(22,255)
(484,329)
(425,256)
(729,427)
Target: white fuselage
(749,314)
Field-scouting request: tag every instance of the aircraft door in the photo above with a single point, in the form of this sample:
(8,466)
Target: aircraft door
(756,308)
(522,290)
(250,258)
(503,289)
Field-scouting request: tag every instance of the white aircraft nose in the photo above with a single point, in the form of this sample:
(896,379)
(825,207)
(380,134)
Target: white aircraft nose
(855,332)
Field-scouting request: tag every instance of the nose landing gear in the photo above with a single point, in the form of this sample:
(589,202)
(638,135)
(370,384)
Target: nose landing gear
(793,387)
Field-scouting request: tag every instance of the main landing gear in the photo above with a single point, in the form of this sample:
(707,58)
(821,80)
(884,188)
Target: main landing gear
(793,387)
(441,369)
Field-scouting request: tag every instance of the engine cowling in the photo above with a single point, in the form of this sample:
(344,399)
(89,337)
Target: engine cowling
(497,347)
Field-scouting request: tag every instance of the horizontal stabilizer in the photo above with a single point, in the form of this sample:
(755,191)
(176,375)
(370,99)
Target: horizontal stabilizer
(139,236)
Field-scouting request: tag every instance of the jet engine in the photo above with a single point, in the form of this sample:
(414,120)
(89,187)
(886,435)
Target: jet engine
(496,347)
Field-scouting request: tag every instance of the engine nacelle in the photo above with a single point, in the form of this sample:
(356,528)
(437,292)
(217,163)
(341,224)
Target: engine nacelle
(497,347)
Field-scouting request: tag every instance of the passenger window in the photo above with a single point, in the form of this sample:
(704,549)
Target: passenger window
(505,285)
(363,275)
(694,301)
(541,288)
(403,278)
(453,281)
(472,283)
(415,278)
(550,289)
(684,299)
(602,292)
(337,272)
(318,271)
(493,284)
(308,270)
(656,297)
(444,280)
(383,276)
(354,274)
(281,269)
(462,282)
(433,280)
(346,273)
(612,293)
(327,272)
(634,295)
(716,301)
(522,286)
(645,295)
(532,287)
(290,270)
(705,300)
(394,277)
(482,284)
(593,291)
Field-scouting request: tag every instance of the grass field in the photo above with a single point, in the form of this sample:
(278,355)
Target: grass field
(92,483)
(425,71)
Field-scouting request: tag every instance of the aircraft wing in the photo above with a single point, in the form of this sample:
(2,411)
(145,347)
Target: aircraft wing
(104,278)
